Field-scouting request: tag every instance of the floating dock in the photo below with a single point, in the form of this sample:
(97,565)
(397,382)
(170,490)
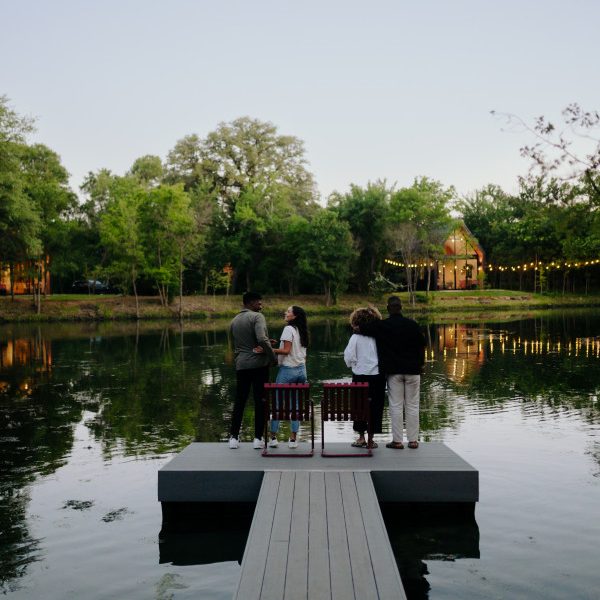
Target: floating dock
(213,473)
(317,530)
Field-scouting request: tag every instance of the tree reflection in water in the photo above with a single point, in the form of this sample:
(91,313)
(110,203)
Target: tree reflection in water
(150,390)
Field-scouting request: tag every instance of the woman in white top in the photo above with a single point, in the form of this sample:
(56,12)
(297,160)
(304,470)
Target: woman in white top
(361,356)
(291,356)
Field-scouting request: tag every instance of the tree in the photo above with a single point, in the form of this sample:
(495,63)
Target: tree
(20,223)
(148,170)
(248,155)
(254,177)
(366,210)
(46,183)
(419,222)
(120,233)
(570,152)
(327,253)
(167,227)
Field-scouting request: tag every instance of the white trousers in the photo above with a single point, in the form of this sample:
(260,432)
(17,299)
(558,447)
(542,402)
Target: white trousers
(403,396)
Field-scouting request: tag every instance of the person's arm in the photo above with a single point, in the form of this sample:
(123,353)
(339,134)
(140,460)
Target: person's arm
(287,348)
(262,335)
(350,352)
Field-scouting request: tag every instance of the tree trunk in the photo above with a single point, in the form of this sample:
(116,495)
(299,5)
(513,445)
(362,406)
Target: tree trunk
(327,289)
(11,270)
(180,284)
(137,304)
(39,291)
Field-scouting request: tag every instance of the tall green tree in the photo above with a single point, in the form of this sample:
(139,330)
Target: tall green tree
(46,183)
(121,233)
(327,253)
(419,222)
(169,236)
(20,223)
(366,210)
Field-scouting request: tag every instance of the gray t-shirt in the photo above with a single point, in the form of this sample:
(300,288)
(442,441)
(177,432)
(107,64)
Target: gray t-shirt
(249,329)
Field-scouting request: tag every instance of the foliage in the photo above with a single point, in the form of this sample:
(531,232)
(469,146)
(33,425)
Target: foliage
(367,212)
(327,253)
(379,285)
(121,234)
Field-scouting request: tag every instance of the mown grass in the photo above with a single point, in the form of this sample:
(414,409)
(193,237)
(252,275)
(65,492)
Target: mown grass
(84,307)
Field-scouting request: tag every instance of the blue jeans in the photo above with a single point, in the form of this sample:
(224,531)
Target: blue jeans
(289,375)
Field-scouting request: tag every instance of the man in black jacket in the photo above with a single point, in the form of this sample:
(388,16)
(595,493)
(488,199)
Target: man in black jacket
(401,352)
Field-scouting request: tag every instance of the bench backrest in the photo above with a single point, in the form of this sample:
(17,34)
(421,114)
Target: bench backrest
(345,402)
(287,401)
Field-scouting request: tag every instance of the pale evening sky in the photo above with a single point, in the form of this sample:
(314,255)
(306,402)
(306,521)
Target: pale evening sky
(377,90)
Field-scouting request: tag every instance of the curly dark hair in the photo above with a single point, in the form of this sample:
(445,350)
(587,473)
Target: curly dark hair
(301,324)
(362,316)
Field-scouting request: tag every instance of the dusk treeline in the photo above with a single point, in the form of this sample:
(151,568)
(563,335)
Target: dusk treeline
(239,209)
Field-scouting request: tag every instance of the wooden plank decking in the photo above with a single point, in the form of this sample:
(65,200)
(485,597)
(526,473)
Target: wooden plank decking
(318,535)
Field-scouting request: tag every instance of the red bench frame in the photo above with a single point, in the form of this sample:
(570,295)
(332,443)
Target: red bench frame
(294,405)
(346,402)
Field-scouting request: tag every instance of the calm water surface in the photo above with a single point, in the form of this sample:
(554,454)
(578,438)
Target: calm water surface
(88,414)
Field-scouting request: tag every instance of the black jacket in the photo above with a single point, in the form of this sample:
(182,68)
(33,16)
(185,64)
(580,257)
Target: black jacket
(400,345)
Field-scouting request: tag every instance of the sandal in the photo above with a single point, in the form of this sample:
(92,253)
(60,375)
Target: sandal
(413,445)
(395,445)
(358,444)
(372,445)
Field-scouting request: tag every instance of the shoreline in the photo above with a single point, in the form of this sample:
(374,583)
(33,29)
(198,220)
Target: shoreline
(434,305)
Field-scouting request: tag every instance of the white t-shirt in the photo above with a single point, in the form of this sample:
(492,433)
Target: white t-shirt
(297,355)
(361,355)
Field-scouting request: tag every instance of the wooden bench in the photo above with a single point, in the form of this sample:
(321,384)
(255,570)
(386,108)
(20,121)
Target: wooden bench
(346,402)
(288,402)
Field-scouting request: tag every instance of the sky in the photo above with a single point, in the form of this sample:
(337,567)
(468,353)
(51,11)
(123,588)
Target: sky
(376,89)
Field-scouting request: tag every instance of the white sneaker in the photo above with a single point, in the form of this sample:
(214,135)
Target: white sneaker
(293,444)
(234,443)
(273,443)
(257,444)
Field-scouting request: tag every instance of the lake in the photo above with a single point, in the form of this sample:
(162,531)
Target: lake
(90,412)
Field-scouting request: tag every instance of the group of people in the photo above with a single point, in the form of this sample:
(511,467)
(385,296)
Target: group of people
(380,352)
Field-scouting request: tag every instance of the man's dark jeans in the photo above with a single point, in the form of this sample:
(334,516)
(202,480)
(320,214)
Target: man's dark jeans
(246,379)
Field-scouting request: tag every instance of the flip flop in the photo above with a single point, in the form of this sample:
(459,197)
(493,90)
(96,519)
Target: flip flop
(413,445)
(359,444)
(395,445)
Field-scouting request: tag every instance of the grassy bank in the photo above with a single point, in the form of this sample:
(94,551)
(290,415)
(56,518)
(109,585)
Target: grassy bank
(437,304)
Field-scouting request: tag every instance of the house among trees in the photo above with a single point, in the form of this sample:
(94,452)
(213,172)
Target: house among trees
(461,268)
(26,277)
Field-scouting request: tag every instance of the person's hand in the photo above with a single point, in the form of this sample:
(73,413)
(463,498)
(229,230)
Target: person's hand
(273,343)
(258,350)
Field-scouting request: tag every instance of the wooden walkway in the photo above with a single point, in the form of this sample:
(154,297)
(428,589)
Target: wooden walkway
(318,535)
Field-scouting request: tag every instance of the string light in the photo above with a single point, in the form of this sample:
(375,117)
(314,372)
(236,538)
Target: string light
(539,265)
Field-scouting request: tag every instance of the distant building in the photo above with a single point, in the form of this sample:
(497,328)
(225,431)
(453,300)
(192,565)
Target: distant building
(462,263)
(460,268)
(24,279)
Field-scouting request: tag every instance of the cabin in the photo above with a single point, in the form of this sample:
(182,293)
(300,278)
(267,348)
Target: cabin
(459,268)
(24,277)
(462,263)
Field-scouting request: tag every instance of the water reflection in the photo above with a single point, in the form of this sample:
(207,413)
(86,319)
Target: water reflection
(150,390)
(418,535)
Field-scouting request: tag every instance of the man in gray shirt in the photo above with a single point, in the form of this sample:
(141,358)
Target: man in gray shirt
(249,329)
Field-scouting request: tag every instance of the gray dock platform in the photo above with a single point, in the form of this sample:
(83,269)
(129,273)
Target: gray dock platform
(205,472)
(317,535)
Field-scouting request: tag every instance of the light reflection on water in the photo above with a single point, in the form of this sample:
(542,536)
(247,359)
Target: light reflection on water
(90,413)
